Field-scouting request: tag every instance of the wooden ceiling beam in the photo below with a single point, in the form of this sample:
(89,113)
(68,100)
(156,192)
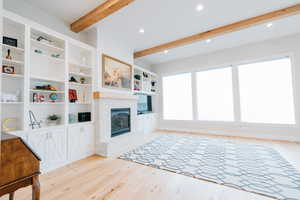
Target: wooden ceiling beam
(99,13)
(290,11)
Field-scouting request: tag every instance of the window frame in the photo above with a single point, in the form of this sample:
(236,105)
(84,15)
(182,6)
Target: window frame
(291,56)
(162,96)
(196,95)
(236,93)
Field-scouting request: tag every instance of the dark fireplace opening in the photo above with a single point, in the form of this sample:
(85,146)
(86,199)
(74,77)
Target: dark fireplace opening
(120,121)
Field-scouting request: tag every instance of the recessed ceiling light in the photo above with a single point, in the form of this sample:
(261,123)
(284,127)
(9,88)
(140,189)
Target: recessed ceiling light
(208,40)
(142,31)
(166,51)
(199,7)
(269,25)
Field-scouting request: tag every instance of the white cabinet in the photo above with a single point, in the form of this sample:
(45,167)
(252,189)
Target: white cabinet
(51,146)
(56,155)
(37,141)
(146,123)
(81,141)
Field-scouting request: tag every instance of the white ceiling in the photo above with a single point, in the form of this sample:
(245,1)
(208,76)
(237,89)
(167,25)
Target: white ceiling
(67,10)
(167,20)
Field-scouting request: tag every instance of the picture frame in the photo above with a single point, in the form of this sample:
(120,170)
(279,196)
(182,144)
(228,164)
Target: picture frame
(8,69)
(116,74)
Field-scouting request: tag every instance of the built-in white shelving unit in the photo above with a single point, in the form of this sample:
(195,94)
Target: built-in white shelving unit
(42,64)
(80,74)
(12,76)
(144,81)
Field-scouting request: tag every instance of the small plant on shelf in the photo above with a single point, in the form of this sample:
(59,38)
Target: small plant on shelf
(53,120)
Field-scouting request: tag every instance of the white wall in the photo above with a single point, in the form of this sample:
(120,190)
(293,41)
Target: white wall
(111,44)
(143,65)
(24,9)
(252,52)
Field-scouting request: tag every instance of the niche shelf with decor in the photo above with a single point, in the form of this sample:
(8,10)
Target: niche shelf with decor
(12,76)
(47,82)
(145,82)
(80,74)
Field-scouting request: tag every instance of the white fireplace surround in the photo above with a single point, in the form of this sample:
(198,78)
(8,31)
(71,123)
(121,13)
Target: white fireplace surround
(106,145)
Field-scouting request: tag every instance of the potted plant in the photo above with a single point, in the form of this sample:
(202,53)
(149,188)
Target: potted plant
(53,120)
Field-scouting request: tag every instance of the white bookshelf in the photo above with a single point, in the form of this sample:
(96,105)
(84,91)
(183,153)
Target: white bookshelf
(44,58)
(145,82)
(80,79)
(12,83)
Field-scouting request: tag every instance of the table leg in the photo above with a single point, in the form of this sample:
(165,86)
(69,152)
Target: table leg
(11,196)
(35,188)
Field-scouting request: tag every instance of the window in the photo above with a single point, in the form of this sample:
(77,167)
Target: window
(215,95)
(177,97)
(266,92)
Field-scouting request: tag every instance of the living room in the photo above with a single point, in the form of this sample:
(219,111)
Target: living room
(161,99)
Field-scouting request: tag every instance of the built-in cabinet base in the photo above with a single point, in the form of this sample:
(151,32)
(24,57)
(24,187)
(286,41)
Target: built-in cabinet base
(59,146)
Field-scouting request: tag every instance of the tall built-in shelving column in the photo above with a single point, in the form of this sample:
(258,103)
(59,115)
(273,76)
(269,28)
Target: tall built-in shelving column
(47,84)
(12,76)
(80,74)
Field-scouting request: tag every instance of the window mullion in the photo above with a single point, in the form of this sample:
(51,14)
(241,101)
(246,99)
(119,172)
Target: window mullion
(236,94)
(194,96)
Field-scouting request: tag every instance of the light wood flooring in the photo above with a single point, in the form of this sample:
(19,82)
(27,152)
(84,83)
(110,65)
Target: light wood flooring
(98,178)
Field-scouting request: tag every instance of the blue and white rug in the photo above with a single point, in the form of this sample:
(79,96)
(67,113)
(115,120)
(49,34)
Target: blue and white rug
(249,167)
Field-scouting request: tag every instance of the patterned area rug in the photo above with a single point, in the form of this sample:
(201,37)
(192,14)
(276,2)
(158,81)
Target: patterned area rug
(249,167)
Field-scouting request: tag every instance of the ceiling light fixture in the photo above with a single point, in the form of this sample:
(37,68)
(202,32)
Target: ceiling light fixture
(166,51)
(208,40)
(269,25)
(199,7)
(142,31)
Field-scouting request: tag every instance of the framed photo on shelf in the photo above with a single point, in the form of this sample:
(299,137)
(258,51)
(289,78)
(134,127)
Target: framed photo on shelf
(116,74)
(8,69)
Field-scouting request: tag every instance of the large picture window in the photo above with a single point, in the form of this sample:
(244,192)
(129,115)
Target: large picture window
(177,97)
(215,95)
(260,92)
(266,92)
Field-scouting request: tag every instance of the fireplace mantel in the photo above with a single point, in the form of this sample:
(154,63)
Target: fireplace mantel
(114,95)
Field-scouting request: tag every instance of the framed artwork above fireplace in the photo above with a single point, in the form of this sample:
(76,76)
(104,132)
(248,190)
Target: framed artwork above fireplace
(116,74)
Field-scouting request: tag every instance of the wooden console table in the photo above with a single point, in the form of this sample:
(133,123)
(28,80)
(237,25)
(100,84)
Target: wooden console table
(19,167)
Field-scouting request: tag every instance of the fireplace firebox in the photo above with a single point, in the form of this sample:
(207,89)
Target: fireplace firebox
(120,121)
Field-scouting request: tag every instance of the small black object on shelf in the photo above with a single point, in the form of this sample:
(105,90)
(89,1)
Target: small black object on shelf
(137,77)
(10,41)
(73,80)
(145,75)
(84,117)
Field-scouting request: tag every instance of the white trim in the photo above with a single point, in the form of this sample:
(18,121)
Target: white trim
(194,96)
(236,94)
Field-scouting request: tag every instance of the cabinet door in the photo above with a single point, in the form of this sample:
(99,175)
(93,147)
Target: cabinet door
(81,142)
(140,124)
(38,142)
(89,137)
(56,155)
(153,122)
(75,146)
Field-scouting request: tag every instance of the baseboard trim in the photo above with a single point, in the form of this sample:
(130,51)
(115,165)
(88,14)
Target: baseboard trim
(228,136)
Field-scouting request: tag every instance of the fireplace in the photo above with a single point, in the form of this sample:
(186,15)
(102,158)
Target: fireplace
(120,121)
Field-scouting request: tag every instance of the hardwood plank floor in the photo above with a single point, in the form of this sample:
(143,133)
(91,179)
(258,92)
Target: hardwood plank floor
(98,178)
